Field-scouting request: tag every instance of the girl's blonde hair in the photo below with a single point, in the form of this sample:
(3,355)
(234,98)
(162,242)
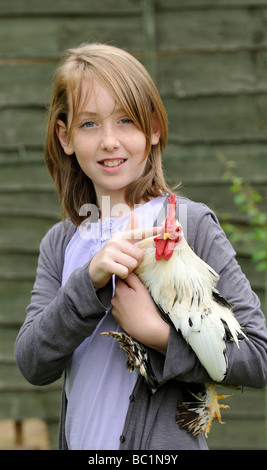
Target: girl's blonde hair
(131,86)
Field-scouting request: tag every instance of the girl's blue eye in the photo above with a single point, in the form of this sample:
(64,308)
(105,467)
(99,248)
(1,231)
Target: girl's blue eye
(126,121)
(88,124)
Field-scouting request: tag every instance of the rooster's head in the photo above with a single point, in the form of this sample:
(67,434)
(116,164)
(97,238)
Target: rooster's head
(166,242)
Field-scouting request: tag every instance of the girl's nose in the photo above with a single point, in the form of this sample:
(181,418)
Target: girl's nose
(109,140)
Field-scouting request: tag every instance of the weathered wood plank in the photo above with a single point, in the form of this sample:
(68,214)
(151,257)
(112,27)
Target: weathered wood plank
(18,266)
(63,7)
(208,4)
(244,421)
(19,7)
(201,162)
(40,403)
(245,434)
(7,340)
(14,298)
(28,131)
(25,84)
(216,196)
(210,30)
(25,174)
(50,37)
(184,75)
(26,189)
(250,400)
(11,379)
(30,204)
(21,156)
(22,233)
(189,30)
(52,427)
(255,277)
(261,296)
(218,119)
(197,28)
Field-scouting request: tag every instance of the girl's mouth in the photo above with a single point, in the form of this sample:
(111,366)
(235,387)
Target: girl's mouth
(112,163)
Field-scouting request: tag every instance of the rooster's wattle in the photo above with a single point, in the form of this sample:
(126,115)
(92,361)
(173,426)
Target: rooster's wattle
(183,288)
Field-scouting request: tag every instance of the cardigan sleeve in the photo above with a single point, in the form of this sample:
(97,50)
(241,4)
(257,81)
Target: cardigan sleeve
(247,365)
(58,318)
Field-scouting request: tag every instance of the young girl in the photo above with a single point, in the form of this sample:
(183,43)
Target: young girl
(107,128)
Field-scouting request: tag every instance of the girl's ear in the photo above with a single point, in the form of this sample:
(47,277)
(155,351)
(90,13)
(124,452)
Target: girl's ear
(155,136)
(62,134)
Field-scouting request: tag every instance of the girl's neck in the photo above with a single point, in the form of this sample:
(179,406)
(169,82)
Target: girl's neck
(111,206)
(114,207)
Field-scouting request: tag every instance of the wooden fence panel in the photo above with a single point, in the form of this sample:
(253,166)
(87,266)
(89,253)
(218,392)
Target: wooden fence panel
(209,61)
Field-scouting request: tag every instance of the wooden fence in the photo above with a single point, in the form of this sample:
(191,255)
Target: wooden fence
(209,60)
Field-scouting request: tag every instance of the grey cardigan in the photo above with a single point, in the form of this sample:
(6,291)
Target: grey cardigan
(60,318)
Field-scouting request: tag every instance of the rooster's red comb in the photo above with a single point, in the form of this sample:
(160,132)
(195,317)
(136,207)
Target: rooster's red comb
(170,222)
(172,199)
(165,247)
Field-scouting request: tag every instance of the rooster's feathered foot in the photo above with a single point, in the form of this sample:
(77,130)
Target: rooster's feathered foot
(137,357)
(198,416)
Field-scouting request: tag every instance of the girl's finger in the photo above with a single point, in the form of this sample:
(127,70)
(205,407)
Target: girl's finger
(139,234)
(132,281)
(133,222)
(134,233)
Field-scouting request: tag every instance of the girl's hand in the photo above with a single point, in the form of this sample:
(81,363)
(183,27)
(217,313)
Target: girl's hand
(134,310)
(119,255)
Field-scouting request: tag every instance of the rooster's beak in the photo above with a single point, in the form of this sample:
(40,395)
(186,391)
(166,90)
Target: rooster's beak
(166,236)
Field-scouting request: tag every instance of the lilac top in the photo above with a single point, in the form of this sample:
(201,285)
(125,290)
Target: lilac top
(98,385)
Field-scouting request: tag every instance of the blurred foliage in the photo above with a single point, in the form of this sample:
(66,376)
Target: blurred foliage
(248,201)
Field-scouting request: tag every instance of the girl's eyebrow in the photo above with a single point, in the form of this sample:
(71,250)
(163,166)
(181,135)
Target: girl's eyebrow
(85,114)
(92,114)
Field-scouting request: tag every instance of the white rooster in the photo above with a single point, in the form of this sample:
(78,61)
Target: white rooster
(185,294)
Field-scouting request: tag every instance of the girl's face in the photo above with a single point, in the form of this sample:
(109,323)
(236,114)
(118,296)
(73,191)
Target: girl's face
(110,149)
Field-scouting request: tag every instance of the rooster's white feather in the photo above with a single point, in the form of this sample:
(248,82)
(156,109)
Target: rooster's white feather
(185,294)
